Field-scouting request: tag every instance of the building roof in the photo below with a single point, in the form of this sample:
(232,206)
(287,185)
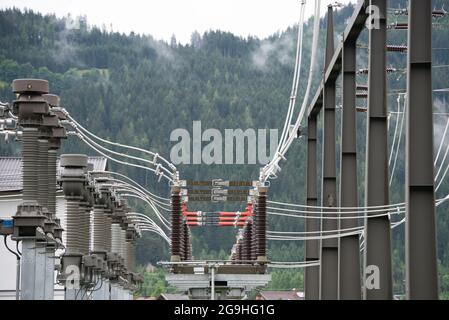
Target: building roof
(173,296)
(11,171)
(281,295)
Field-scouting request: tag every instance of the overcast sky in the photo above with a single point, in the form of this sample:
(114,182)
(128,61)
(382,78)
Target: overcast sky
(163,18)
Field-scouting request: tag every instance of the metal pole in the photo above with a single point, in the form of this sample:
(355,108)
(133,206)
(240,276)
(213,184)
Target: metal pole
(349,282)
(377,262)
(27,274)
(312,274)
(212,282)
(421,253)
(18,278)
(329,247)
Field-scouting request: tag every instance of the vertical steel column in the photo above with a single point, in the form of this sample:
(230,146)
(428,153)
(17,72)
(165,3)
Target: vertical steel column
(329,247)
(421,253)
(349,284)
(312,274)
(377,262)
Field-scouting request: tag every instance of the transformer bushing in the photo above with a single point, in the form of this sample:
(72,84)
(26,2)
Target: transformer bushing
(115,258)
(73,181)
(92,264)
(29,221)
(261,224)
(176,224)
(101,246)
(54,142)
(30,107)
(132,276)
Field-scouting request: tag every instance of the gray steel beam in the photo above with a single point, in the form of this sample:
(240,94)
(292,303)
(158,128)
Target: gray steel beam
(329,247)
(377,262)
(421,254)
(355,26)
(349,284)
(312,249)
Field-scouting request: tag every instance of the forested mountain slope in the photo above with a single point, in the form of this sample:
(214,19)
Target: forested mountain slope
(137,90)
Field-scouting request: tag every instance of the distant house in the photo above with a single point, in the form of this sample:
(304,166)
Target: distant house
(173,296)
(280,295)
(150,268)
(10,198)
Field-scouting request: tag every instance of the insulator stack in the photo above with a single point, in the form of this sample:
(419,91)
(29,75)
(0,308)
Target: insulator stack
(399,26)
(84,229)
(30,149)
(238,251)
(73,181)
(130,256)
(123,245)
(42,190)
(253,241)
(187,253)
(261,223)
(439,13)
(56,132)
(248,239)
(99,230)
(183,239)
(116,238)
(176,224)
(108,231)
(72,226)
(51,201)
(396,48)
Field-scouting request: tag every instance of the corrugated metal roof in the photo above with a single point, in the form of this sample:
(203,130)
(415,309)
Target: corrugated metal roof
(11,171)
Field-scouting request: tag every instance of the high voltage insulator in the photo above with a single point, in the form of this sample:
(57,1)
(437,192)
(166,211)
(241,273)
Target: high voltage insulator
(366,71)
(261,224)
(176,223)
(398,26)
(404,12)
(73,181)
(54,142)
(396,48)
(248,238)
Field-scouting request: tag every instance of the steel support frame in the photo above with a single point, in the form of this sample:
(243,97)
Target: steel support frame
(421,252)
(312,247)
(349,276)
(329,247)
(377,256)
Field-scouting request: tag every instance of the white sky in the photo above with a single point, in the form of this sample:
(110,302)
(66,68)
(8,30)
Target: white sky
(163,18)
